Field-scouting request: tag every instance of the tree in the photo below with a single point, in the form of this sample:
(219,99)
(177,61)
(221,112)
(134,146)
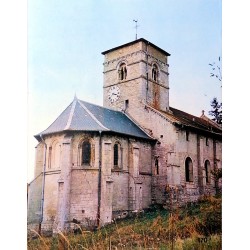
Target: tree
(216,70)
(216,112)
(217,173)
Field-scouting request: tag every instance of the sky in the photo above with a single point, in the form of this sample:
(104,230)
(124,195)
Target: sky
(66,38)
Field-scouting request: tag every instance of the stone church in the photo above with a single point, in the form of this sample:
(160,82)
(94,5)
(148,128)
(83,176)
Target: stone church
(96,163)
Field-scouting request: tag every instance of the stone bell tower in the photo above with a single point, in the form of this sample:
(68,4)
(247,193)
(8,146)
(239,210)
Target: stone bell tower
(136,74)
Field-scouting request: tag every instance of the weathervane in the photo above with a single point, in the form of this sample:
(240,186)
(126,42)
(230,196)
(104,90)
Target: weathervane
(136,26)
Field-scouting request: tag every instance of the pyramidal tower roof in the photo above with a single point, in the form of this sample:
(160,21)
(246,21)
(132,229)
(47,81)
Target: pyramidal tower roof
(84,116)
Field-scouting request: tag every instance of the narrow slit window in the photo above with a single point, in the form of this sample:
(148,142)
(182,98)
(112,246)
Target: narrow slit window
(157,166)
(207,171)
(126,104)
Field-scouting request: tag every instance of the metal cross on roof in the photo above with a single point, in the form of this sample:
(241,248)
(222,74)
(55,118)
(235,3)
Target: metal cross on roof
(136,26)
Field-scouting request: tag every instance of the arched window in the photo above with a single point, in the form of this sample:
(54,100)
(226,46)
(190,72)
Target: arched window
(117,151)
(50,155)
(122,72)
(56,155)
(86,153)
(207,171)
(189,169)
(155,73)
(116,155)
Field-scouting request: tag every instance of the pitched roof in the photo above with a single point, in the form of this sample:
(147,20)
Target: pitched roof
(181,118)
(84,116)
(196,122)
(136,41)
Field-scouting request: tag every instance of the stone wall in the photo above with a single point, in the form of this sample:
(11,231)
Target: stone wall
(34,200)
(71,190)
(139,84)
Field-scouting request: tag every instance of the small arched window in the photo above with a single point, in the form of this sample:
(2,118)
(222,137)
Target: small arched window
(155,73)
(116,155)
(50,156)
(189,169)
(86,153)
(207,171)
(56,155)
(122,72)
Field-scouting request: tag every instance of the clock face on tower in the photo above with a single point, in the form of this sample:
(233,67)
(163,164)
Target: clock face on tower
(113,93)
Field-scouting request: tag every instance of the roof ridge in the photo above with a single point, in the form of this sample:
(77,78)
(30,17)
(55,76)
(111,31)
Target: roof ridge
(100,106)
(71,113)
(92,116)
(185,112)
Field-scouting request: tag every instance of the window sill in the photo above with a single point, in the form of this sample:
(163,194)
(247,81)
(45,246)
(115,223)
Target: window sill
(119,170)
(190,182)
(51,171)
(85,167)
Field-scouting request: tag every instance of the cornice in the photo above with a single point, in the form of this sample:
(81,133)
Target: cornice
(135,53)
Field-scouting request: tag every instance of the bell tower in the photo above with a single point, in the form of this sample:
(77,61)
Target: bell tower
(136,74)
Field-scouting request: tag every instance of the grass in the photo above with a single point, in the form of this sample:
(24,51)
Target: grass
(195,226)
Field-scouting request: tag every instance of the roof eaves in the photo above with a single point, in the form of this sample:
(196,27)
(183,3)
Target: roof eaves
(38,136)
(197,128)
(149,138)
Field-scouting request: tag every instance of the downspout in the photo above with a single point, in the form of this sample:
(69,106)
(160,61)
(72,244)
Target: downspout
(199,165)
(99,180)
(43,184)
(147,72)
(215,166)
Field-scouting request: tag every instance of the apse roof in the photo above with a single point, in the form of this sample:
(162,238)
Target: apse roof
(84,116)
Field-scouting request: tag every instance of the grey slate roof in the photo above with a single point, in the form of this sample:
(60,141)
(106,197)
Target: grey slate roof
(84,116)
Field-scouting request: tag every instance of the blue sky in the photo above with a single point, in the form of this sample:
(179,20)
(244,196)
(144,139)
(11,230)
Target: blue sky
(66,38)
